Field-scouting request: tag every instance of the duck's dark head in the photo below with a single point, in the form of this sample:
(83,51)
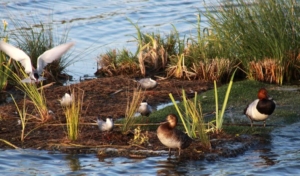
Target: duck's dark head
(262,94)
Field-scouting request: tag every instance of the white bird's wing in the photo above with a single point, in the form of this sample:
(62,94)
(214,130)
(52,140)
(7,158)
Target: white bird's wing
(100,123)
(51,55)
(17,54)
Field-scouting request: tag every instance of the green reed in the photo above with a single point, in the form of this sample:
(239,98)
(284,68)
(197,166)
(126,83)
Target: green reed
(192,118)
(256,30)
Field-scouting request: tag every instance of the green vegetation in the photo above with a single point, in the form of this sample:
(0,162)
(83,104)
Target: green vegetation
(132,106)
(5,63)
(260,38)
(139,138)
(192,118)
(220,114)
(23,116)
(34,40)
(35,94)
(170,56)
(262,35)
(73,114)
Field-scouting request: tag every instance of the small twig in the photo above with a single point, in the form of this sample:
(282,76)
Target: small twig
(46,86)
(114,93)
(241,124)
(10,144)
(139,146)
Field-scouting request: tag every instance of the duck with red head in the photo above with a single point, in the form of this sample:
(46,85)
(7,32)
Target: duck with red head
(261,108)
(172,137)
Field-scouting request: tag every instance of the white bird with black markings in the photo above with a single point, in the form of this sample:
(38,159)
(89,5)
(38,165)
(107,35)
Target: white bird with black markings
(145,109)
(42,61)
(261,108)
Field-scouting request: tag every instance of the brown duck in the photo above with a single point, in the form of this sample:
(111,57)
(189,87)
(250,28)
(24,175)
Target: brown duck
(172,137)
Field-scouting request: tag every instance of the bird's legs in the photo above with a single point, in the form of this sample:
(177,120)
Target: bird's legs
(169,151)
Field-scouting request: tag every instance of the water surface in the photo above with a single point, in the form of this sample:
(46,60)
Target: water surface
(280,155)
(103,25)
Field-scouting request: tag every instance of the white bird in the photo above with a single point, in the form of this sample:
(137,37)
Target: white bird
(145,109)
(105,126)
(147,83)
(42,61)
(67,99)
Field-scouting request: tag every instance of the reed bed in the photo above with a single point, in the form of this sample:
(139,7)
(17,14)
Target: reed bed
(254,30)
(264,70)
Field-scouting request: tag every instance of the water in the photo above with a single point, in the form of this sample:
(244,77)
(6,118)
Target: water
(103,25)
(280,155)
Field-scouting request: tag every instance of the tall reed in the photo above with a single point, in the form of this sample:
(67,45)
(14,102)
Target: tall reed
(23,116)
(5,63)
(73,113)
(192,118)
(220,114)
(132,106)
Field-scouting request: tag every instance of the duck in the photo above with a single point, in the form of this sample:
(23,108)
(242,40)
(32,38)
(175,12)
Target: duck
(105,125)
(261,108)
(67,99)
(147,83)
(145,109)
(171,137)
(42,61)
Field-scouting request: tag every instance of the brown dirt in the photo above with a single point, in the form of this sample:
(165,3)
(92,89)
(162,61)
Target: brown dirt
(98,101)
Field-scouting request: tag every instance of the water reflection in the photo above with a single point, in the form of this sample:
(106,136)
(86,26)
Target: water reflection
(73,162)
(171,166)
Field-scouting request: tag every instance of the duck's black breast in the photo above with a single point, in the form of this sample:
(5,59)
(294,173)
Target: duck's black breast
(266,106)
(184,139)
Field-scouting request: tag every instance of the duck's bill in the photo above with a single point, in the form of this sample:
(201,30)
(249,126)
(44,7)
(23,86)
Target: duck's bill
(28,80)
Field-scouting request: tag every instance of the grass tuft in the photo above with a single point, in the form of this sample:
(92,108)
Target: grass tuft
(73,113)
(132,106)
(192,118)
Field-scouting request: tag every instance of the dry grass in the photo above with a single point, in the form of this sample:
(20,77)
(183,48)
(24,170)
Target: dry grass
(213,69)
(180,70)
(73,113)
(115,63)
(152,55)
(132,106)
(266,70)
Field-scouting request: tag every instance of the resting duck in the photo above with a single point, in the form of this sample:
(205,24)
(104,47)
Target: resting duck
(105,126)
(67,99)
(172,137)
(261,108)
(147,83)
(144,108)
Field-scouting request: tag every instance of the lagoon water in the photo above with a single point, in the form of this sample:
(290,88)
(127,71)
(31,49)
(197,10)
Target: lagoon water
(279,156)
(97,26)
(103,25)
